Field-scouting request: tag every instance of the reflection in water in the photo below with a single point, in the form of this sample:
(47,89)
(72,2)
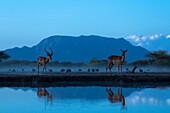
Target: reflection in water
(114,98)
(84,99)
(44,92)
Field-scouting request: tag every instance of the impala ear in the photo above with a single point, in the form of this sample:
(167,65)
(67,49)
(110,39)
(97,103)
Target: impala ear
(120,49)
(126,50)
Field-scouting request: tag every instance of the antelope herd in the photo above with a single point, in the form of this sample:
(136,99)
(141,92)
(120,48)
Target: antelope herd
(112,60)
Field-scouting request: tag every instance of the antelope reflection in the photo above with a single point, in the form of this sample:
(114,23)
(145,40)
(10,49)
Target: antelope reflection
(44,92)
(114,98)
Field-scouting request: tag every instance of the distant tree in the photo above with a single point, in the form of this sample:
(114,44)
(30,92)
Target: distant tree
(94,61)
(139,62)
(80,64)
(67,63)
(158,55)
(155,58)
(3,55)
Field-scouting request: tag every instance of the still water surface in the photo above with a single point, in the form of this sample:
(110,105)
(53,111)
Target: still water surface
(84,100)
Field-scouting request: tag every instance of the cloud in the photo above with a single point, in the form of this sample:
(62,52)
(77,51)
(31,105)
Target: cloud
(151,42)
(140,38)
(144,38)
(154,37)
(133,37)
(168,36)
(140,44)
(137,39)
(168,101)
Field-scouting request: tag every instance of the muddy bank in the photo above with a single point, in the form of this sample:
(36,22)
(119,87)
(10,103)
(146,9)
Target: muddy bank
(58,79)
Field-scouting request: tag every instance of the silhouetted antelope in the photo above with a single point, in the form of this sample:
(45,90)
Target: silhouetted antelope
(62,70)
(97,70)
(33,70)
(88,70)
(140,70)
(50,70)
(93,70)
(68,70)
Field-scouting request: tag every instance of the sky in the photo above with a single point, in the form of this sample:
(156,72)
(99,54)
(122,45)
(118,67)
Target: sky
(27,22)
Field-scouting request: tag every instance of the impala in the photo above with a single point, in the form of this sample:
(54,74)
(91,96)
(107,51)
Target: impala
(119,60)
(44,60)
(114,98)
(44,92)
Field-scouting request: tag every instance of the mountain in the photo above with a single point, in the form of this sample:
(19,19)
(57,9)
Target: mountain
(152,43)
(82,48)
(81,92)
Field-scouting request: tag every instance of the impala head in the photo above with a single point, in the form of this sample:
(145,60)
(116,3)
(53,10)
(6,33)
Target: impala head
(48,54)
(123,52)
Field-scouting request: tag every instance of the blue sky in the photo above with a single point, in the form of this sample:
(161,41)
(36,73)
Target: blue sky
(26,22)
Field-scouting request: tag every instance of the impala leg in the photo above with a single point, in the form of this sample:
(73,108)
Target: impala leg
(111,92)
(118,91)
(109,62)
(43,68)
(111,65)
(118,67)
(107,67)
(121,67)
(121,91)
(38,68)
(108,92)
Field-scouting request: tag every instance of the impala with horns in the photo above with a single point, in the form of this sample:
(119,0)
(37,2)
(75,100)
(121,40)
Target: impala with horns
(119,60)
(44,60)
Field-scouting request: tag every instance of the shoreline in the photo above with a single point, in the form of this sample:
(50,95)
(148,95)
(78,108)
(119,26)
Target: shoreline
(63,79)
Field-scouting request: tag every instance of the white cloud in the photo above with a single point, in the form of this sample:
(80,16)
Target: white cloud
(168,36)
(156,36)
(137,39)
(150,42)
(143,100)
(161,34)
(153,37)
(133,37)
(151,100)
(168,101)
(140,44)
(144,38)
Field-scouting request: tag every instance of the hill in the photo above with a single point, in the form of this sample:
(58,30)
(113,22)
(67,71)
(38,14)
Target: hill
(81,48)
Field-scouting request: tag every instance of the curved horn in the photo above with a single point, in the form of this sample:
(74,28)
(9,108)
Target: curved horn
(47,52)
(51,51)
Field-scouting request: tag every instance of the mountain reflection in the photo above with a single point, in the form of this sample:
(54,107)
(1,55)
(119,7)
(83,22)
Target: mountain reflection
(44,92)
(115,98)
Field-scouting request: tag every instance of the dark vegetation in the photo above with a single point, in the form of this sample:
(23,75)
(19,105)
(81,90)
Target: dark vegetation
(21,63)
(156,58)
(3,56)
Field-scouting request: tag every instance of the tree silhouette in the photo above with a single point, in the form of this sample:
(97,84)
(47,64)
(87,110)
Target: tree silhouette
(3,55)
(93,61)
(160,57)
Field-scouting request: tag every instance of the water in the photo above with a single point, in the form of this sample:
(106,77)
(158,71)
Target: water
(84,100)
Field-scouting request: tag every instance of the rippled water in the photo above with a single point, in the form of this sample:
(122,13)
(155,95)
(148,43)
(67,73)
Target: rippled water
(84,100)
